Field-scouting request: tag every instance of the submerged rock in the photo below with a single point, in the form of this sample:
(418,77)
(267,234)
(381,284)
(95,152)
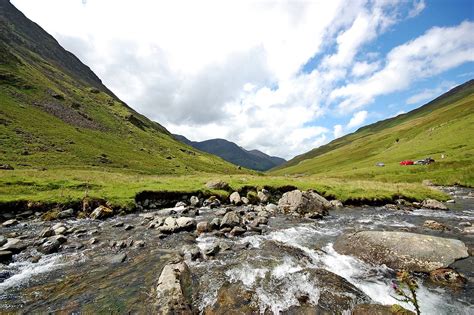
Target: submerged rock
(435,225)
(433,204)
(447,276)
(298,202)
(425,253)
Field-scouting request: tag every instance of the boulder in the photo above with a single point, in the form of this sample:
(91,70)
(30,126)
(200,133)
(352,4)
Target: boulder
(237,230)
(217,184)
(425,253)
(52,244)
(234,198)
(215,224)
(263,195)
(245,200)
(173,293)
(13,245)
(169,225)
(272,208)
(66,214)
(336,204)
(300,203)
(46,232)
(186,224)
(234,298)
(180,204)
(3,240)
(230,219)
(433,204)
(10,222)
(101,212)
(202,227)
(194,201)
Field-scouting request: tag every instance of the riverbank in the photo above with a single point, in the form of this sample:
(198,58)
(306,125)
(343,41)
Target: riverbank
(277,262)
(44,190)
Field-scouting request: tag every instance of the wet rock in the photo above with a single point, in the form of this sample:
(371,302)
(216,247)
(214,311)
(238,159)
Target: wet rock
(140,243)
(212,202)
(59,229)
(336,204)
(50,246)
(433,204)
(156,222)
(245,200)
(173,293)
(194,201)
(263,195)
(116,259)
(202,227)
(186,223)
(425,253)
(465,223)
(259,221)
(377,309)
(169,225)
(237,230)
(128,227)
(263,213)
(451,201)
(230,219)
(5,256)
(222,212)
(10,222)
(3,240)
(447,276)
(392,207)
(435,225)
(468,230)
(93,241)
(234,298)
(118,224)
(14,245)
(234,198)
(101,212)
(215,224)
(272,208)
(180,204)
(300,203)
(66,214)
(191,252)
(217,184)
(46,232)
(213,250)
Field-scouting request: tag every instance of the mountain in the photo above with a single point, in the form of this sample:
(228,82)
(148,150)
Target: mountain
(56,113)
(235,154)
(441,128)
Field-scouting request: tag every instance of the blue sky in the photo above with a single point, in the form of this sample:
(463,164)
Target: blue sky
(279,76)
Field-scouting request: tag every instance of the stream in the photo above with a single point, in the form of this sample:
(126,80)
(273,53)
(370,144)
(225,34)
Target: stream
(110,266)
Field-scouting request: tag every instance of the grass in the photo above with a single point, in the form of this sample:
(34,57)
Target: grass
(120,188)
(443,127)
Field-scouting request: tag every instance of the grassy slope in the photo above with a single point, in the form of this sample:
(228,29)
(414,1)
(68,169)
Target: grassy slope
(89,128)
(444,126)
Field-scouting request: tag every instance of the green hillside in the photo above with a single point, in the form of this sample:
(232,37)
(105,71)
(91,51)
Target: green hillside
(444,126)
(55,113)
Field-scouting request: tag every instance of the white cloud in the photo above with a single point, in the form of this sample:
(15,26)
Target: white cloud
(358,119)
(423,57)
(338,131)
(429,94)
(418,6)
(364,68)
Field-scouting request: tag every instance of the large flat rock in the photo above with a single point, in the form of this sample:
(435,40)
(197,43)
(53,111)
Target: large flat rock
(402,250)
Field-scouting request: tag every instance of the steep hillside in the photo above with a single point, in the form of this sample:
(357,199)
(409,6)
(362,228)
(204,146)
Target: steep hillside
(444,126)
(235,154)
(56,113)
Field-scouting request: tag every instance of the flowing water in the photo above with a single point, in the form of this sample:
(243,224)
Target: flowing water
(82,277)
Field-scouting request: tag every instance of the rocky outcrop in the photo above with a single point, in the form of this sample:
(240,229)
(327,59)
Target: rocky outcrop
(425,253)
(303,203)
(433,204)
(172,294)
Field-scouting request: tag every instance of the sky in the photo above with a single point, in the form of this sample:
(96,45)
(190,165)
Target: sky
(282,77)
